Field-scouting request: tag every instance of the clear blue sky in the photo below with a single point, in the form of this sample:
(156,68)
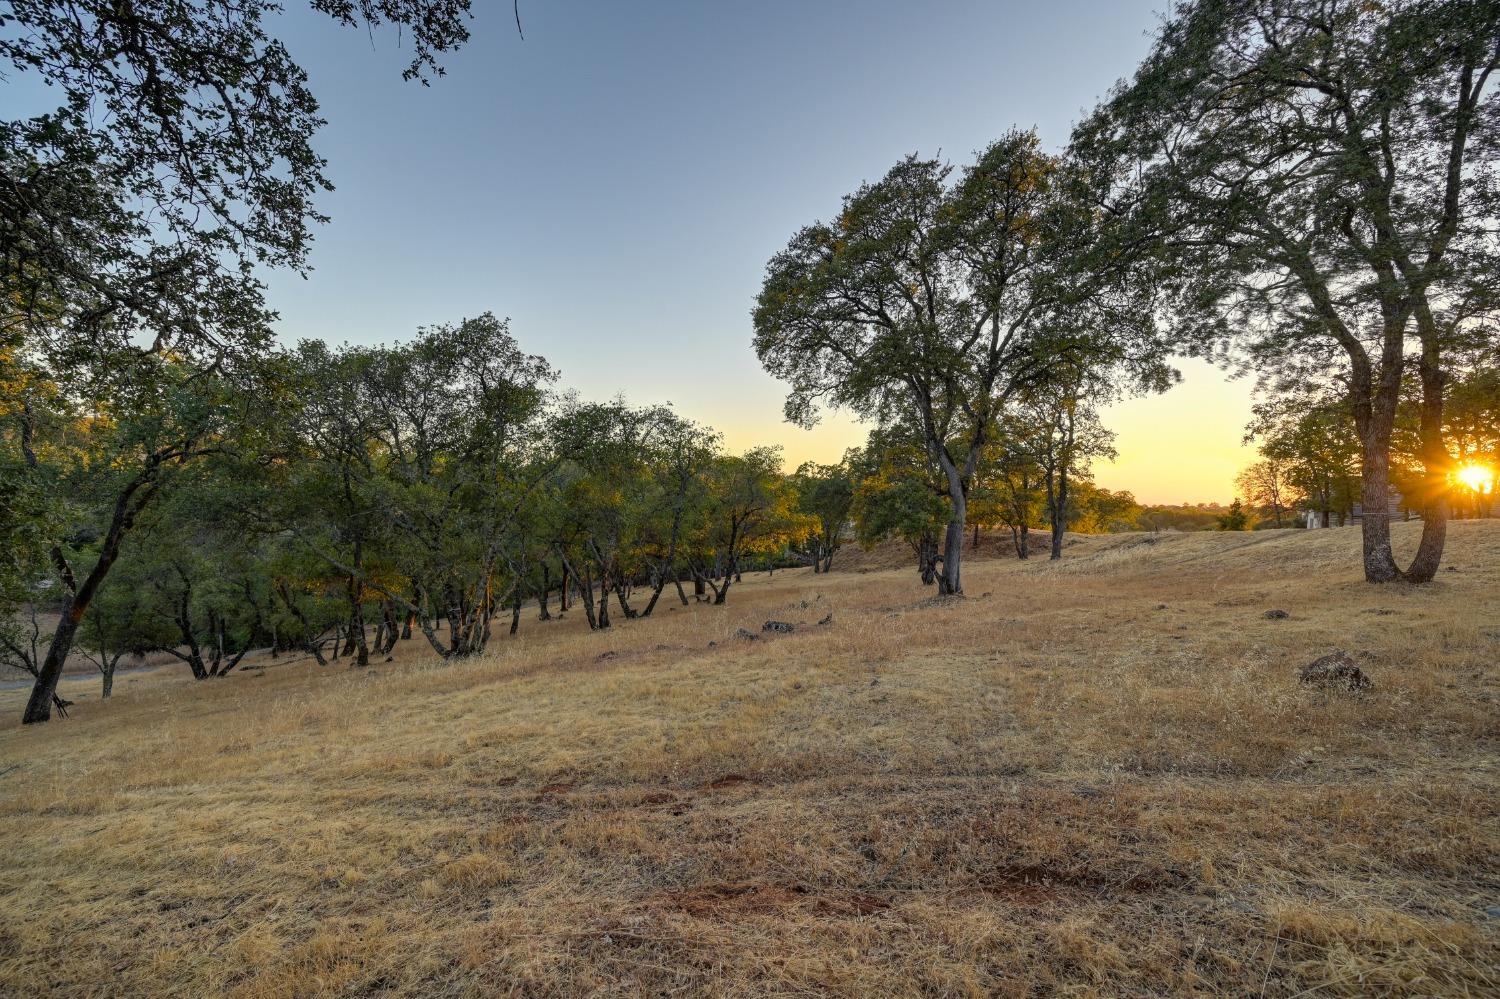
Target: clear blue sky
(616,182)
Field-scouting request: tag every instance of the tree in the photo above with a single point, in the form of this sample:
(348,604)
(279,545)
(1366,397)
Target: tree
(751,509)
(1267,483)
(825,493)
(1313,178)
(1103,511)
(112,452)
(1065,436)
(1313,443)
(1235,518)
(923,301)
(178,160)
(677,500)
(899,493)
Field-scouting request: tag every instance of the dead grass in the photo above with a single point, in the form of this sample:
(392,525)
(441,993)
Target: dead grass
(1097,778)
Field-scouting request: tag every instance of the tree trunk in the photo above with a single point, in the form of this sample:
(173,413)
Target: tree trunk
(927,559)
(1375,525)
(543,613)
(76,604)
(1436,463)
(623,598)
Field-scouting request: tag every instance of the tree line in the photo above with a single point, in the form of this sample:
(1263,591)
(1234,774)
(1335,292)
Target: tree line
(330,502)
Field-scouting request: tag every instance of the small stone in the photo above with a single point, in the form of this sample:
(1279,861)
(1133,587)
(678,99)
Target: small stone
(746,634)
(1161,606)
(826,619)
(779,627)
(1336,671)
(605,655)
(712,644)
(1277,615)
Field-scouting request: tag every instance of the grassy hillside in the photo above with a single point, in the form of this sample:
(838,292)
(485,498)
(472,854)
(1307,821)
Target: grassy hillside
(1097,778)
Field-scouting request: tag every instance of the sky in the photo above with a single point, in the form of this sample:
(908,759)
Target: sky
(615,183)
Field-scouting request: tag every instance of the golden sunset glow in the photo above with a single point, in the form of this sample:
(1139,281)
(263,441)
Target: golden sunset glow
(1479,478)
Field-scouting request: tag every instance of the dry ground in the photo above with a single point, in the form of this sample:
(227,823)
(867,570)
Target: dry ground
(1099,778)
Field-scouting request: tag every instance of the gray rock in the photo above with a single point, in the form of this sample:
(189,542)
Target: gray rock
(1277,615)
(780,627)
(746,634)
(1336,671)
(827,619)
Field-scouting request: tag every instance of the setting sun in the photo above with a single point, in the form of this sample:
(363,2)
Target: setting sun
(1479,478)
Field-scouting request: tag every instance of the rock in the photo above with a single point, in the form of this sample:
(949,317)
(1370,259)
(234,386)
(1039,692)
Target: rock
(826,619)
(712,644)
(746,634)
(1161,606)
(1277,615)
(780,627)
(1336,671)
(605,655)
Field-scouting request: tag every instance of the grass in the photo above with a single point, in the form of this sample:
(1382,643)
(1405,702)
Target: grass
(1096,778)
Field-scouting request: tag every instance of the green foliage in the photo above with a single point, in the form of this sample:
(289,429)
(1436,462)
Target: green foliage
(1235,518)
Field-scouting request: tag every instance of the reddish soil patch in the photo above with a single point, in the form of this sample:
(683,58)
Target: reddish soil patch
(728,780)
(561,787)
(659,798)
(856,904)
(1035,883)
(728,900)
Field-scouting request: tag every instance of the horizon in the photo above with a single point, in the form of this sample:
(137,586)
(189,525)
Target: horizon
(621,213)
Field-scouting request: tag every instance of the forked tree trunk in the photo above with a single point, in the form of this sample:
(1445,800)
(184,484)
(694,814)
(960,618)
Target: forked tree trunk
(950,580)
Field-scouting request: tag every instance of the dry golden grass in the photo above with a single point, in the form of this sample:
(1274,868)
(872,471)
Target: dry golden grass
(1099,778)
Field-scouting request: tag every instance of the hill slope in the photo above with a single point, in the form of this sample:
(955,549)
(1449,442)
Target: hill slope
(1099,777)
